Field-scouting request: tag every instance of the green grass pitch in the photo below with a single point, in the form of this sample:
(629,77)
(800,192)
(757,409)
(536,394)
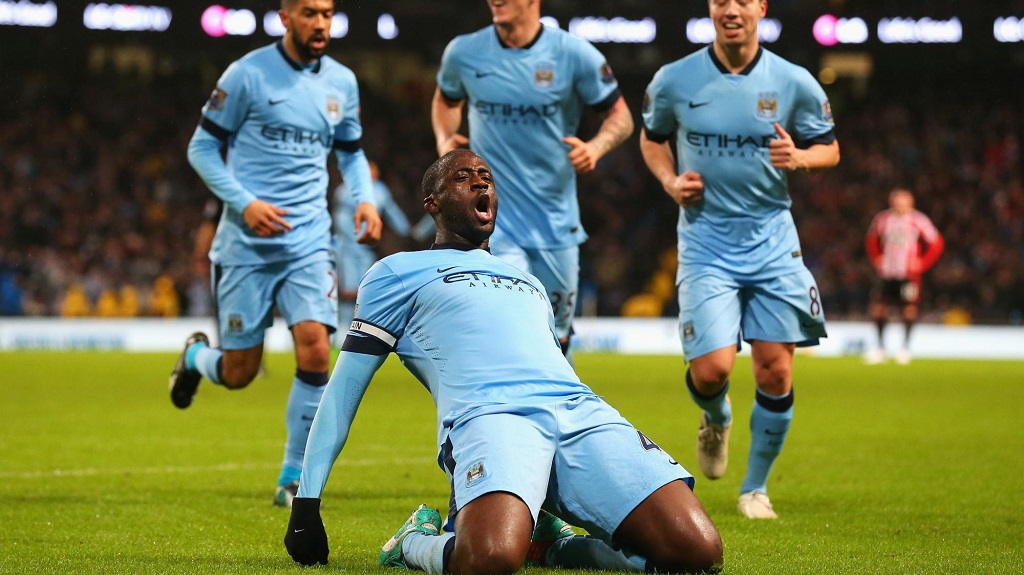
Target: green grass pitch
(887,469)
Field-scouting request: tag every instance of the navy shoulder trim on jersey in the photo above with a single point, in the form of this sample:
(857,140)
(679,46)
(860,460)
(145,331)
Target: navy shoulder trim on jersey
(295,65)
(745,71)
(656,137)
(451,99)
(350,146)
(214,130)
(607,103)
(824,139)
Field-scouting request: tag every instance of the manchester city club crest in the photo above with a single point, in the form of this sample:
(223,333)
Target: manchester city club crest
(768,105)
(333,109)
(688,332)
(217,98)
(544,76)
(475,473)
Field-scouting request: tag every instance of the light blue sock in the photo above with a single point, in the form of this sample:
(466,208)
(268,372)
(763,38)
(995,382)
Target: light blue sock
(205,360)
(302,403)
(718,409)
(425,552)
(288,475)
(769,425)
(584,552)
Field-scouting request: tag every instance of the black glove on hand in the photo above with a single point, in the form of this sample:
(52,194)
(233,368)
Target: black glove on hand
(306,539)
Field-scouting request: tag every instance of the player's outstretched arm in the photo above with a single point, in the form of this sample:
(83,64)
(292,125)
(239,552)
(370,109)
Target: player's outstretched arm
(329,432)
(615,129)
(306,538)
(445,118)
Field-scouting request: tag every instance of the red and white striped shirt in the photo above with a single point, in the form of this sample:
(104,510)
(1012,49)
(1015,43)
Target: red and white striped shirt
(894,243)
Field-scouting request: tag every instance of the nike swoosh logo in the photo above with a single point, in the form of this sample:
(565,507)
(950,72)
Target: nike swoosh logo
(698,105)
(442,270)
(299,530)
(273,102)
(305,418)
(480,74)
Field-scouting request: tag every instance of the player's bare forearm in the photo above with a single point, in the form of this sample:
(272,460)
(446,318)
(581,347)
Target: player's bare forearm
(445,119)
(820,157)
(615,129)
(659,159)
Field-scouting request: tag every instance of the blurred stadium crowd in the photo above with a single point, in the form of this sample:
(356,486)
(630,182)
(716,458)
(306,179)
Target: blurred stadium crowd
(98,205)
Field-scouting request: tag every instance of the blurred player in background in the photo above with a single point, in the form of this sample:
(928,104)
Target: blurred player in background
(204,237)
(526,86)
(355,258)
(516,427)
(894,242)
(731,108)
(280,110)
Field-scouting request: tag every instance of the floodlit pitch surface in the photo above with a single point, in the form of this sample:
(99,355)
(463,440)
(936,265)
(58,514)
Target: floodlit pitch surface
(887,469)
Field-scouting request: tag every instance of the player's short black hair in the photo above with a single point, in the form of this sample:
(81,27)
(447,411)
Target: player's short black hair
(434,175)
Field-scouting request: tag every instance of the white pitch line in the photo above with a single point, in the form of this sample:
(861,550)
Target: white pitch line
(171,469)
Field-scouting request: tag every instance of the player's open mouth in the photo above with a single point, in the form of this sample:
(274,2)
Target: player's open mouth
(317,43)
(732,28)
(484,211)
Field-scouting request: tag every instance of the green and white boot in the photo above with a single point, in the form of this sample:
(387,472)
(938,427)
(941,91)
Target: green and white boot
(549,529)
(424,520)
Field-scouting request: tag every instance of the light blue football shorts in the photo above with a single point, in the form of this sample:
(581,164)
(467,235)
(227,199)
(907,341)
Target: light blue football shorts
(558,271)
(716,310)
(578,459)
(302,290)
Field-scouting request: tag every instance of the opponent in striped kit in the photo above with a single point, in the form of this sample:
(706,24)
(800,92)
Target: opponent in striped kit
(903,244)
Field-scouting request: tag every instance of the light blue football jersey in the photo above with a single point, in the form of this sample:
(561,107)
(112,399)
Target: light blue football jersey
(508,355)
(723,124)
(280,121)
(521,103)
